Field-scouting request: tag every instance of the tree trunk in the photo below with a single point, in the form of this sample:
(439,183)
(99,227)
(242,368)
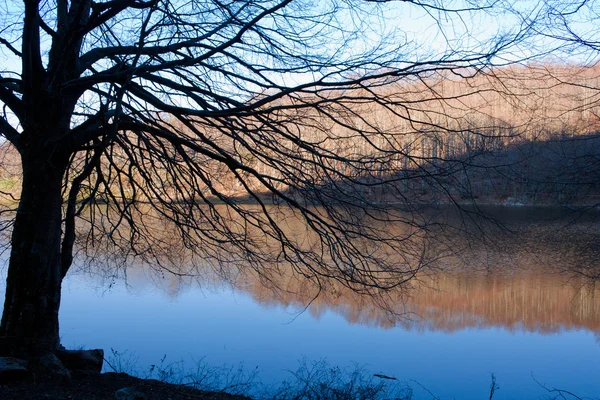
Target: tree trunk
(29,326)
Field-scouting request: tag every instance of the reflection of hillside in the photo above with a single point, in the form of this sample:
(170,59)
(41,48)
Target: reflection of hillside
(530,301)
(541,278)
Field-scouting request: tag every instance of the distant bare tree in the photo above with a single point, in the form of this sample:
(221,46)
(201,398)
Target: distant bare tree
(135,115)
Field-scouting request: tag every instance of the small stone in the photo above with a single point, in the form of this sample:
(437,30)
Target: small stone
(83,360)
(12,369)
(129,393)
(51,365)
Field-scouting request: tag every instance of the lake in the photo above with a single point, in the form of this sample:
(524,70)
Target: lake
(526,309)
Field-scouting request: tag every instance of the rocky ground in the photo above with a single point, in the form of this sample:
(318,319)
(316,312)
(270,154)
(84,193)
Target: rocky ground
(75,375)
(96,386)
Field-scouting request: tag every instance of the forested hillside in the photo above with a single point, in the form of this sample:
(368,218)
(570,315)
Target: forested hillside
(514,135)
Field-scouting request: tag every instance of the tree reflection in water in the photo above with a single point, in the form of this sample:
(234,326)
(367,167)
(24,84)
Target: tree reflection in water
(535,273)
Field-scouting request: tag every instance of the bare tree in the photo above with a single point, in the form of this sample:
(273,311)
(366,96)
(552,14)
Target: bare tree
(130,115)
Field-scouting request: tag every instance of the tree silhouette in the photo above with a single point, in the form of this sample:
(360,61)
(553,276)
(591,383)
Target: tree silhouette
(131,116)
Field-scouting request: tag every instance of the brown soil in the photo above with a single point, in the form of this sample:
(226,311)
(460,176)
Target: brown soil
(94,386)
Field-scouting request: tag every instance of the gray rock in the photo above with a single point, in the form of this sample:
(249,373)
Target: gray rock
(83,360)
(51,365)
(129,393)
(12,369)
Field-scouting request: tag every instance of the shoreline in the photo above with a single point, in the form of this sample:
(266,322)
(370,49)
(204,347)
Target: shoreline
(107,385)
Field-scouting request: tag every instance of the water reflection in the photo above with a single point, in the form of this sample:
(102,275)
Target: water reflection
(514,303)
(538,274)
(465,326)
(532,300)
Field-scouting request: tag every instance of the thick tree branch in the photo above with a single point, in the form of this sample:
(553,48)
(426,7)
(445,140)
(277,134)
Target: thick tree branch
(105,11)
(33,72)
(9,132)
(7,96)
(69,232)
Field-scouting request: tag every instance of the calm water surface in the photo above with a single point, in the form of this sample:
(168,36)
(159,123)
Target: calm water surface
(521,314)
